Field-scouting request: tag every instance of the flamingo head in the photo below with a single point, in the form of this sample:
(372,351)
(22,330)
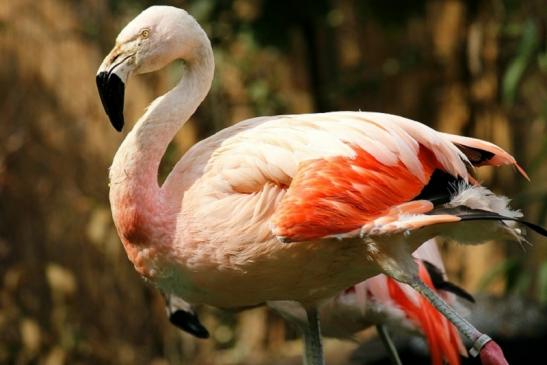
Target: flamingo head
(155,38)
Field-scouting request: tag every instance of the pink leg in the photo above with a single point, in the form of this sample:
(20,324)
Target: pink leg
(490,352)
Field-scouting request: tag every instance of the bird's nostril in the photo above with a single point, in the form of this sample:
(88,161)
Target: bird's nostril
(115,58)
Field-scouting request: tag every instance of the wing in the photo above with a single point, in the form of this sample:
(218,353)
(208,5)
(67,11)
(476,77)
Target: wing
(392,159)
(273,149)
(334,171)
(337,195)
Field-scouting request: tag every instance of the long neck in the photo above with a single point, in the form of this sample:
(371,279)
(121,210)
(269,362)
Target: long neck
(135,195)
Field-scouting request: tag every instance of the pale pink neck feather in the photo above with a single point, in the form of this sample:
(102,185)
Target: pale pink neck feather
(140,212)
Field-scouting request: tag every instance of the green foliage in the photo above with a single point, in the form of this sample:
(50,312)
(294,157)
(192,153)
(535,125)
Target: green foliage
(542,283)
(528,45)
(505,269)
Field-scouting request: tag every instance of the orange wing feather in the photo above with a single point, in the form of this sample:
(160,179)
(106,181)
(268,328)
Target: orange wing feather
(340,194)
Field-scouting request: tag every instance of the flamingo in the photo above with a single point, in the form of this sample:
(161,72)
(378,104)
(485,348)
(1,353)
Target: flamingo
(291,207)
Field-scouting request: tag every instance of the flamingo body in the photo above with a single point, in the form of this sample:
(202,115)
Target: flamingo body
(300,172)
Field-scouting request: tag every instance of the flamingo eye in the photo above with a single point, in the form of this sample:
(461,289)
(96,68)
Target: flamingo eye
(145,33)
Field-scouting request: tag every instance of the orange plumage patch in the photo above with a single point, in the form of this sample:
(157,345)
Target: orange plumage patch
(339,194)
(442,338)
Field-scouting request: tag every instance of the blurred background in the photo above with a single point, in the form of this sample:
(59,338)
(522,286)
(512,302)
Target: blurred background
(68,294)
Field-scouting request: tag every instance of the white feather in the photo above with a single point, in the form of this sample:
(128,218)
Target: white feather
(479,197)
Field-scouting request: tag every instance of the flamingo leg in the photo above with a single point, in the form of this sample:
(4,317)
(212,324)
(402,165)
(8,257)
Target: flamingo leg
(465,328)
(490,352)
(313,347)
(391,254)
(388,343)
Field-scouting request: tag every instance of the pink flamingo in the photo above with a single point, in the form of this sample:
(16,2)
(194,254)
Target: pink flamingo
(355,192)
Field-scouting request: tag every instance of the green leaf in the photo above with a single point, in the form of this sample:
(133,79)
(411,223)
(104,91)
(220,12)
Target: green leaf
(202,10)
(542,62)
(542,283)
(527,46)
(503,268)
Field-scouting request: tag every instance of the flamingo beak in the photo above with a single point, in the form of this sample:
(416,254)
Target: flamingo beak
(188,321)
(111,90)
(111,78)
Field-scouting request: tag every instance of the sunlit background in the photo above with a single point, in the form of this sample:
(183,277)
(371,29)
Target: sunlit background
(68,294)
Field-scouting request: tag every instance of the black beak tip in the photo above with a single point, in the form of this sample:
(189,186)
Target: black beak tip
(189,322)
(111,91)
(117,124)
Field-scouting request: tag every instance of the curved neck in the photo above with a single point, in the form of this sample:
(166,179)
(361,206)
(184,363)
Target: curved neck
(134,172)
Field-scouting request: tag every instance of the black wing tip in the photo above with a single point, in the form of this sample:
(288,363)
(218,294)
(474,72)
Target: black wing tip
(440,188)
(469,214)
(477,214)
(440,283)
(456,290)
(475,155)
(535,227)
